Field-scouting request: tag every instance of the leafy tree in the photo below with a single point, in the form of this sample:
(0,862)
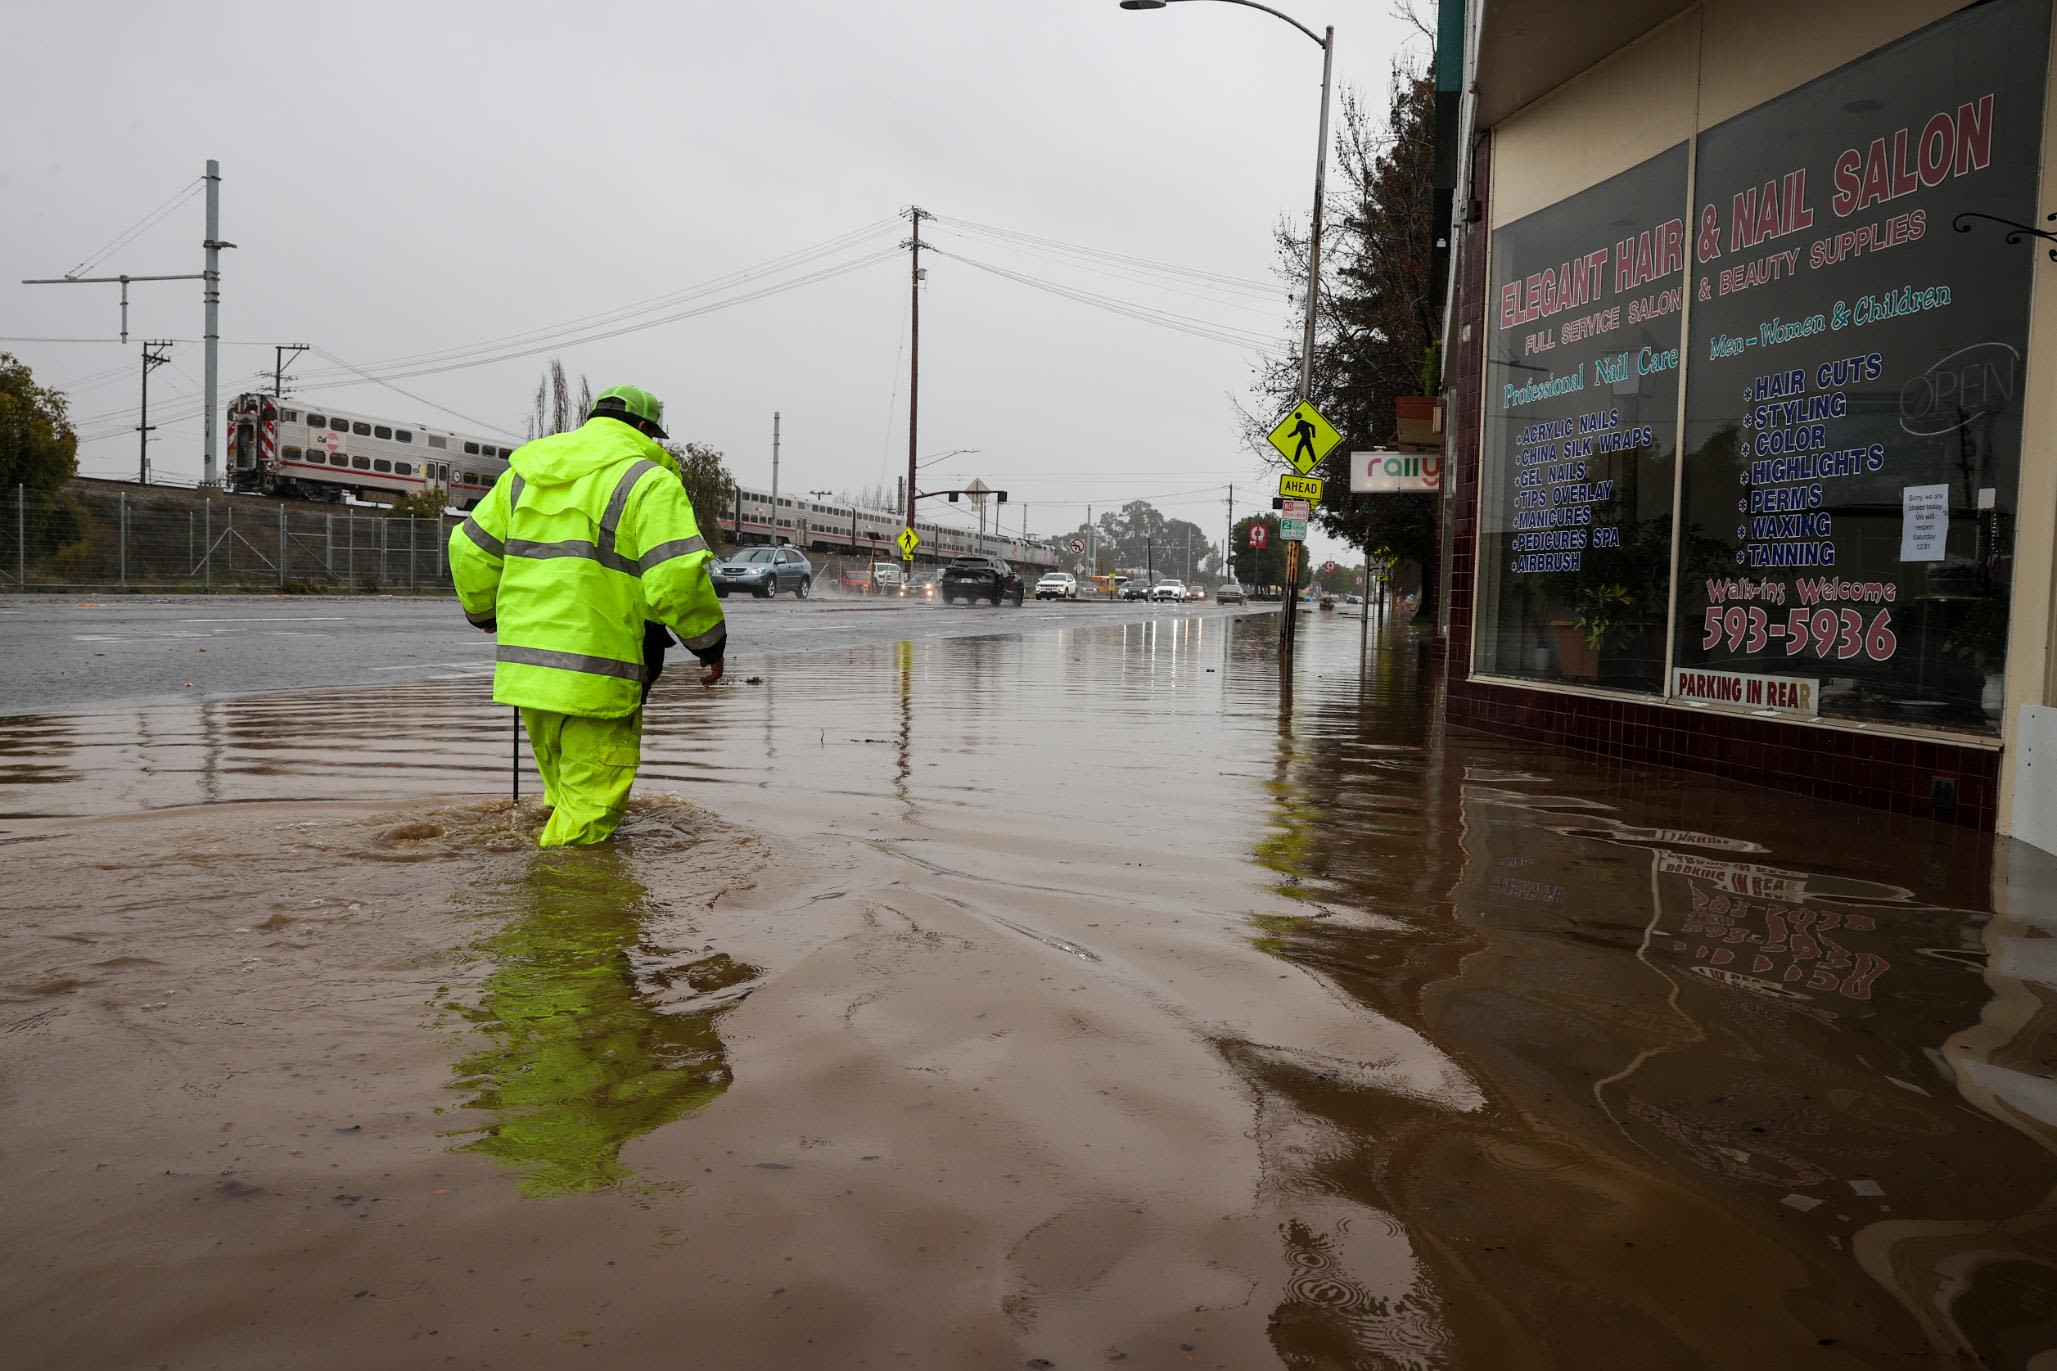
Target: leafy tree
(1379,318)
(1139,536)
(708,485)
(1265,566)
(38,446)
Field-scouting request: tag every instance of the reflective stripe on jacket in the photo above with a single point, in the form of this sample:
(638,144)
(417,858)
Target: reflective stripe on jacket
(587,536)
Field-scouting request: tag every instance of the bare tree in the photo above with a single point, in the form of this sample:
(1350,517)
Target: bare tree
(560,398)
(585,399)
(536,429)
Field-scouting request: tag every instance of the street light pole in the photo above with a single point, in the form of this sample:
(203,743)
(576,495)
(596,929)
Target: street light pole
(1327,43)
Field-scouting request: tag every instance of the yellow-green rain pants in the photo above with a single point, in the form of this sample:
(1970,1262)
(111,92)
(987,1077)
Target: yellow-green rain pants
(588,766)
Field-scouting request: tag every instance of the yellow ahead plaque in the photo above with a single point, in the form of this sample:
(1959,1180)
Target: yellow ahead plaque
(1306,488)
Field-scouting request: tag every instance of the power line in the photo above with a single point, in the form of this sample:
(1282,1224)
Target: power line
(548,334)
(1245,283)
(762,293)
(493,428)
(140,227)
(1181,323)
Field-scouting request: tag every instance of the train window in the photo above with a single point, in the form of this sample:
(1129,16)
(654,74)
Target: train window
(403,468)
(291,416)
(361,429)
(436,440)
(382,465)
(316,421)
(360,463)
(403,435)
(339,425)
(381,431)
(289,454)
(471,449)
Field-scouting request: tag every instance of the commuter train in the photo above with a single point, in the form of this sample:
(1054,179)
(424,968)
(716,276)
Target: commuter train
(280,447)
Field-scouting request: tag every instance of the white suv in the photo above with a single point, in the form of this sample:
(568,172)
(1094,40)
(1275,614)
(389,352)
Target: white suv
(1057,585)
(885,574)
(1169,590)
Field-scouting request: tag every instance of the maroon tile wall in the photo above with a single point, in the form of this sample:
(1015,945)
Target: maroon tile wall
(1933,780)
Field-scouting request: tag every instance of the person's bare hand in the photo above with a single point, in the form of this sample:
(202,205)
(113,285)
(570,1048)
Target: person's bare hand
(711,675)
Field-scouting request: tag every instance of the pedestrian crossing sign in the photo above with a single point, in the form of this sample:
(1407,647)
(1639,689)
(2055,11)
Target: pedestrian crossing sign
(1303,437)
(908,541)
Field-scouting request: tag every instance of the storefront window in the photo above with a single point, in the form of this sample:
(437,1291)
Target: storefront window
(1853,389)
(1580,440)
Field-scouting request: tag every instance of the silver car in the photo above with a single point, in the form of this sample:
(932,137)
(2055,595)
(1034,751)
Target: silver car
(764,572)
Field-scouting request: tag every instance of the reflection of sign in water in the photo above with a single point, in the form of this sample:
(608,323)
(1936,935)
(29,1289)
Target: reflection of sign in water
(1737,878)
(1777,948)
(1969,384)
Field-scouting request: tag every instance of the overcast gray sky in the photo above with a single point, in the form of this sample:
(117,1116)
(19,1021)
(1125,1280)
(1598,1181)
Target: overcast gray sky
(409,179)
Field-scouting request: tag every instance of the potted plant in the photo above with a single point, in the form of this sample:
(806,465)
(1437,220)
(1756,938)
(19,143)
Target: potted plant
(1609,616)
(1980,638)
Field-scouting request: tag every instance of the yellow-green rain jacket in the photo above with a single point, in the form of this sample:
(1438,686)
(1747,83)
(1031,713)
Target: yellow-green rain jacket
(586,536)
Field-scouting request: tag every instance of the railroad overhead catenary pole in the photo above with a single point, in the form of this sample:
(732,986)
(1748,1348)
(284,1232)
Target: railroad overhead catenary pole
(210,295)
(1327,42)
(210,289)
(775,520)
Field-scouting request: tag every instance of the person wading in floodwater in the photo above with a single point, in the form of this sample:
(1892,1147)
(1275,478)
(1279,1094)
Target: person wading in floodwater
(581,556)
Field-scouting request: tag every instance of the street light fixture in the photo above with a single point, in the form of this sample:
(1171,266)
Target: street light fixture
(1327,43)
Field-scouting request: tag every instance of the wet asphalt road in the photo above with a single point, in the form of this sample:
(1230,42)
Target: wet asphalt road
(75,652)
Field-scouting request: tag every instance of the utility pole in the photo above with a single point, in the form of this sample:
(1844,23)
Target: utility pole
(775,520)
(1092,544)
(155,355)
(278,369)
(1228,547)
(210,280)
(915,273)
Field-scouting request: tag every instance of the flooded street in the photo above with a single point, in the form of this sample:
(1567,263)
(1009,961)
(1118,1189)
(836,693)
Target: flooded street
(1053,999)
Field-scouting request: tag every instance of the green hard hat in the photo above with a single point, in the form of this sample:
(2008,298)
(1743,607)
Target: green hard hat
(630,401)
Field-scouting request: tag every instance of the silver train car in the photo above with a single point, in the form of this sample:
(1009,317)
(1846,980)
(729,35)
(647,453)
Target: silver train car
(285,448)
(282,447)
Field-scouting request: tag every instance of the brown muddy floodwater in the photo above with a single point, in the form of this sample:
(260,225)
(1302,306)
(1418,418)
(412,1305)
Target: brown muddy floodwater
(1049,1001)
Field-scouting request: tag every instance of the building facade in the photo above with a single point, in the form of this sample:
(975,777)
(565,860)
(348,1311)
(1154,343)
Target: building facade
(1751,459)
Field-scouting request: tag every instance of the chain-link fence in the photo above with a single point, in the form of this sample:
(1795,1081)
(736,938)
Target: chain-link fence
(179,540)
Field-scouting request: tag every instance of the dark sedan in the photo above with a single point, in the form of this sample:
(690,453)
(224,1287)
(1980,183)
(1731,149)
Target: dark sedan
(981,578)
